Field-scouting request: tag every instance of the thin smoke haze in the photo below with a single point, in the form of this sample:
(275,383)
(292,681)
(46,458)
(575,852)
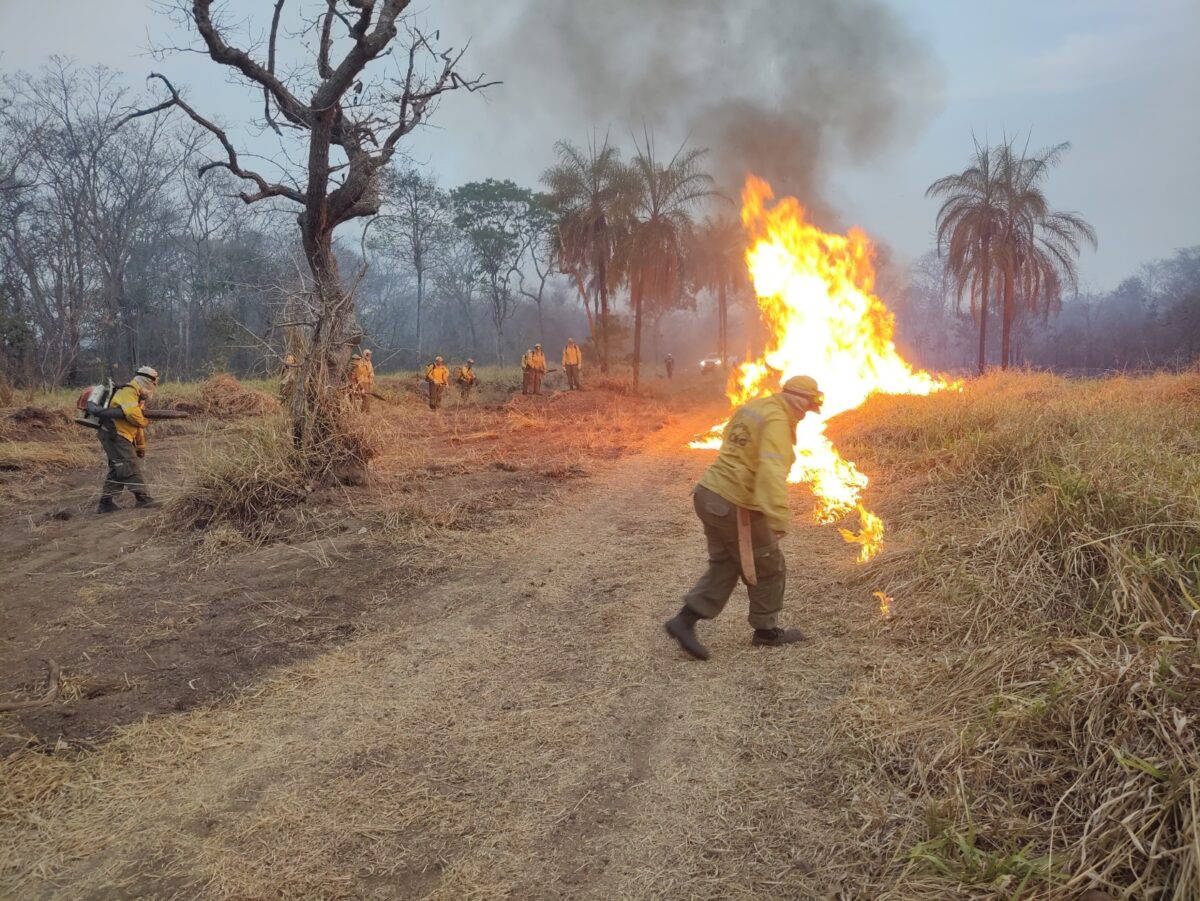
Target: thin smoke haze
(779,88)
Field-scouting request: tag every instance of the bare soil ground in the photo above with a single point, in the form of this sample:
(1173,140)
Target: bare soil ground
(399,705)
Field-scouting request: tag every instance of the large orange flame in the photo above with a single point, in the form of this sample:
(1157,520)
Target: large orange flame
(815,294)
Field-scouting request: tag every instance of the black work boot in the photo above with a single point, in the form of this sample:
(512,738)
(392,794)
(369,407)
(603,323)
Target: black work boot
(145,500)
(107,505)
(774,638)
(682,627)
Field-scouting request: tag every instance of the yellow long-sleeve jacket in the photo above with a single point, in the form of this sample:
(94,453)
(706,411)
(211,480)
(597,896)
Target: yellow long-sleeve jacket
(437,374)
(465,376)
(131,425)
(572,355)
(756,455)
(362,375)
(535,360)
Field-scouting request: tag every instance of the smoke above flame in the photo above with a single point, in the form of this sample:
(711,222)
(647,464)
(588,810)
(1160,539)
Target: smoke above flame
(816,296)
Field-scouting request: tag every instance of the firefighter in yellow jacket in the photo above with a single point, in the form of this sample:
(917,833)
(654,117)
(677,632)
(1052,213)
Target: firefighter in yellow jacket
(750,473)
(466,379)
(572,360)
(361,379)
(438,377)
(533,368)
(123,438)
(368,371)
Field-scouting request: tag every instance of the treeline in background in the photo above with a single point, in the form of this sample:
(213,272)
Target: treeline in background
(115,250)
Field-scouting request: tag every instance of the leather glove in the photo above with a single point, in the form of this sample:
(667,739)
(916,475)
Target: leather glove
(141,452)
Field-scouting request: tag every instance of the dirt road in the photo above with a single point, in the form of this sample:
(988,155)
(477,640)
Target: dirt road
(520,728)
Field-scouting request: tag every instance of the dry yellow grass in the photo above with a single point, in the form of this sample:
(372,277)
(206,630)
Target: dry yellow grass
(1023,726)
(37,456)
(1031,731)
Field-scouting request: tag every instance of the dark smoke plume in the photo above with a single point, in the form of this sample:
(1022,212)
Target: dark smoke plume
(781,88)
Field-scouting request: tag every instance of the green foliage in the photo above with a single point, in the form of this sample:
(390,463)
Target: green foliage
(998,234)
(504,224)
(498,217)
(957,856)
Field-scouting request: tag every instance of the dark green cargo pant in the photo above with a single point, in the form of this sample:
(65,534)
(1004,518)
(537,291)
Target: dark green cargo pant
(124,466)
(709,595)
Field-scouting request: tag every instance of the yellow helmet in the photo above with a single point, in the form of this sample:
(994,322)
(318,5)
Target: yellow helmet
(804,387)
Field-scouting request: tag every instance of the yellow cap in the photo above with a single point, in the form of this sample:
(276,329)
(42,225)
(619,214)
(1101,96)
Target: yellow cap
(804,386)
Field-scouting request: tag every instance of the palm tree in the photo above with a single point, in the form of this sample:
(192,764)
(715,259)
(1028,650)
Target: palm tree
(1038,248)
(590,194)
(969,223)
(720,266)
(660,230)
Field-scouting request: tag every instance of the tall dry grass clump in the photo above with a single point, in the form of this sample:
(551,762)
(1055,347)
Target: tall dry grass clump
(253,476)
(1033,729)
(220,395)
(245,478)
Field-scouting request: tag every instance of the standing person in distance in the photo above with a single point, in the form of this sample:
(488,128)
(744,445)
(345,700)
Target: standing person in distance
(467,380)
(533,369)
(572,360)
(527,372)
(438,377)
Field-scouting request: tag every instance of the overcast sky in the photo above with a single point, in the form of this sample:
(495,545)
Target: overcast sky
(1119,80)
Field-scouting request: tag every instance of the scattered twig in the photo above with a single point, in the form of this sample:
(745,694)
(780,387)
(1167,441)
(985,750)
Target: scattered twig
(52,689)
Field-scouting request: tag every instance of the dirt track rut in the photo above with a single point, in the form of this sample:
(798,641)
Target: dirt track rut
(521,729)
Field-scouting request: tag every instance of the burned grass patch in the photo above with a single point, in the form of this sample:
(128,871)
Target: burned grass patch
(251,566)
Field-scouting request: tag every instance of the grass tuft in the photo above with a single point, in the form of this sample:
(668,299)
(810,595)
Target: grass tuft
(245,480)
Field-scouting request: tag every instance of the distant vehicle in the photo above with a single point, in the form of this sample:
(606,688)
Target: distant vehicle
(712,363)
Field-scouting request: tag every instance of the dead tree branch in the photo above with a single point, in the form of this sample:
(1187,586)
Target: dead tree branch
(265,188)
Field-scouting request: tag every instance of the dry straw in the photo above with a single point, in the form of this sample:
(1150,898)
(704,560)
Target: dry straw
(1034,730)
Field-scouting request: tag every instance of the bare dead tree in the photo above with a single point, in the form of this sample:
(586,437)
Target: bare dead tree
(84,195)
(352,128)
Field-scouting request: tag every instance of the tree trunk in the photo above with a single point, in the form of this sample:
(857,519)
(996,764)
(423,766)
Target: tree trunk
(602,275)
(73,352)
(723,325)
(983,310)
(323,367)
(420,301)
(637,330)
(587,305)
(471,331)
(498,322)
(1009,314)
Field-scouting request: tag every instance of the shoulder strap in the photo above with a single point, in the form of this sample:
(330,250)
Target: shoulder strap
(113,396)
